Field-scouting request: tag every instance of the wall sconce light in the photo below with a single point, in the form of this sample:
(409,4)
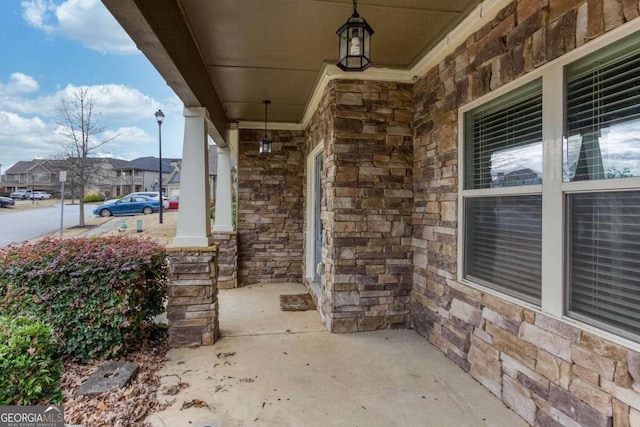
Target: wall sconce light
(354,43)
(265,142)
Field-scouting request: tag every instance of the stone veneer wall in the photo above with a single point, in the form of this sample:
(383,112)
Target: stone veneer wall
(549,372)
(227,241)
(367,129)
(192,309)
(270,207)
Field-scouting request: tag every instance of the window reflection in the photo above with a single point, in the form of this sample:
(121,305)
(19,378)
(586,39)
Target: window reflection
(613,152)
(517,166)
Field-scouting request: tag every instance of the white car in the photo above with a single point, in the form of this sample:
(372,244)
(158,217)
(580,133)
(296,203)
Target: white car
(21,194)
(152,195)
(40,195)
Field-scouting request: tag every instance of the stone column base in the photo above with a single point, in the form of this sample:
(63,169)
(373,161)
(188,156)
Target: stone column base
(227,258)
(192,309)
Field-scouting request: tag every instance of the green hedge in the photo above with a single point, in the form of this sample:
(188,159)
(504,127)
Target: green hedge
(92,198)
(30,370)
(96,293)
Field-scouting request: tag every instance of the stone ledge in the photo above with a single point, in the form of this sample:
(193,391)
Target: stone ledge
(212,248)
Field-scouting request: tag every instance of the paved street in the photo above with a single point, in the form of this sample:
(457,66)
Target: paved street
(28,224)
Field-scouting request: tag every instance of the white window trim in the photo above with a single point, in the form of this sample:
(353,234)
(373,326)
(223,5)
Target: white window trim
(553,299)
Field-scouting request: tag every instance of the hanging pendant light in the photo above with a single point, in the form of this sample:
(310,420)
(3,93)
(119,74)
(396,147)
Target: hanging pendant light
(354,44)
(265,142)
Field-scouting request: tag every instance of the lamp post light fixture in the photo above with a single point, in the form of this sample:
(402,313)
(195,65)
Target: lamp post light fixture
(265,142)
(160,118)
(354,44)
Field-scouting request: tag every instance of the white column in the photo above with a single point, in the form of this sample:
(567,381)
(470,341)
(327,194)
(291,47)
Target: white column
(194,221)
(224,218)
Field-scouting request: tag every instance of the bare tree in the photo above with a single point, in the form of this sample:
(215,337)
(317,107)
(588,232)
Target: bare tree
(80,126)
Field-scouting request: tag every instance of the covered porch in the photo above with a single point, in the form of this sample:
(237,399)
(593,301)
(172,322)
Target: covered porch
(410,195)
(275,368)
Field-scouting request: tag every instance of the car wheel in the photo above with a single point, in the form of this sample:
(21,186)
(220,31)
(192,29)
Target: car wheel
(147,210)
(105,212)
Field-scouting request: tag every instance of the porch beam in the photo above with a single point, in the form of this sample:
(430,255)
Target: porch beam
(163,36)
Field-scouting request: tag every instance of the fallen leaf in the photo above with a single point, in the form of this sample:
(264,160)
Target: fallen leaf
(194,403)
(225,355)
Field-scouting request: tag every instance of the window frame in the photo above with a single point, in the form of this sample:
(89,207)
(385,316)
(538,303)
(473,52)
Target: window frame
(554,287)
(492,192)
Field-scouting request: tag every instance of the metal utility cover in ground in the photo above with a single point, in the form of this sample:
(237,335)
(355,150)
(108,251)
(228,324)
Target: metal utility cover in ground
(110,376)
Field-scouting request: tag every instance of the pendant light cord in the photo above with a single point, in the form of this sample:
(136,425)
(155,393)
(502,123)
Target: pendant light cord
(266,104)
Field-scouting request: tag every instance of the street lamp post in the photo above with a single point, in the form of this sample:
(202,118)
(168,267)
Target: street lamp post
(160,118)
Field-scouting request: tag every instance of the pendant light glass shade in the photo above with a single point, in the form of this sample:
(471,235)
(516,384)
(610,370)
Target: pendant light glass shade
(354,46)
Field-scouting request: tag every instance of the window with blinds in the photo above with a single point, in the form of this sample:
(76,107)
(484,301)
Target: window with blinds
(603,117)
(591,267)
(504,140)
(604,254)
(503,247)
(602,92)
(503,233)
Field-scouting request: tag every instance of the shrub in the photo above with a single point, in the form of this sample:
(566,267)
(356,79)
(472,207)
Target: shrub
(95,292)
(30,370)
(92,198)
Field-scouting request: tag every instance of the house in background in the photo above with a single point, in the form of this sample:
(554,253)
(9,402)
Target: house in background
(36,174)
(172,183)
(378,190)
(109,177)
(44,174)
(141,174)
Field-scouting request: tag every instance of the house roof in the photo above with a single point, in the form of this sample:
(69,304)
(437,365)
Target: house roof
(151,164)
(175,178)
(119,163)
(142,163)
(20,167)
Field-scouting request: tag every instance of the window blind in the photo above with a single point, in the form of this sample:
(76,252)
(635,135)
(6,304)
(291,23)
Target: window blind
(604,249)
(503,244)
(602,117)
(500,128)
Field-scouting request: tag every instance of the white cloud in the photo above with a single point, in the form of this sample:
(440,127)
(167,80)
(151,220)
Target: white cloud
(113,101)
(14,125)
(19,83)
(23,138)
(28,118)
(86,21)
(35,13)
(128,142)
(128,136)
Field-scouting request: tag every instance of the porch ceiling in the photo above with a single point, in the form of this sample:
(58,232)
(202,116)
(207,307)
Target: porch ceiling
(229,55)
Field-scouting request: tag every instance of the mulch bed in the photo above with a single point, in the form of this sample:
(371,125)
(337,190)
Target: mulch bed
(127,407)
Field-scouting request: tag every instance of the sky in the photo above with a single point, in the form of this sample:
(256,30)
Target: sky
(51,48)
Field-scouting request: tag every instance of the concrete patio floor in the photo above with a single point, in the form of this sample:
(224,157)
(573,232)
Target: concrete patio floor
(275,368)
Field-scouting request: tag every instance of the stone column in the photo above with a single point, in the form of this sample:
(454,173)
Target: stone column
(227,259)
(224,218)
(193,296)
(194,223)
